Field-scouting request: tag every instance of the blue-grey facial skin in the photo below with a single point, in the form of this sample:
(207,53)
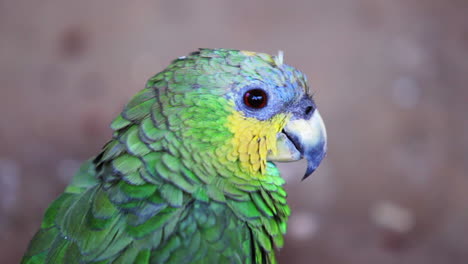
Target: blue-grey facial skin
(284,86)
(274,105)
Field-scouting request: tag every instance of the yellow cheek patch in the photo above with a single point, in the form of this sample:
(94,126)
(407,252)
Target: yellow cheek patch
(253,139)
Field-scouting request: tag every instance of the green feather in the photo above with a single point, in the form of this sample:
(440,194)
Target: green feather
(138,112)
(261,205)
(169,187)
(245,209)
(134,145)
(42,241)
(126,164)
(119,123)
(172,195)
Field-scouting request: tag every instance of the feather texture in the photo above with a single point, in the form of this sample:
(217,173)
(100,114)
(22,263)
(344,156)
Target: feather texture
(185,177)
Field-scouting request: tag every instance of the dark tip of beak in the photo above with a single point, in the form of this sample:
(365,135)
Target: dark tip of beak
(314,158)
(309,171)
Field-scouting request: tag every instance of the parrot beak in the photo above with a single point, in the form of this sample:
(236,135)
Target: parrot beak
(302,138)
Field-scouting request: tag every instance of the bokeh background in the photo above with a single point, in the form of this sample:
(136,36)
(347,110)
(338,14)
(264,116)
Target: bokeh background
(390,78)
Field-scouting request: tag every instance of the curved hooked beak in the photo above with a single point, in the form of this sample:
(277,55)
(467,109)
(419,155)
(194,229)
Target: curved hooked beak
(302,137)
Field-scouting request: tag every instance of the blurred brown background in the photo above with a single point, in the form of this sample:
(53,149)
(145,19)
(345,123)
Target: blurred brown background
(390,78)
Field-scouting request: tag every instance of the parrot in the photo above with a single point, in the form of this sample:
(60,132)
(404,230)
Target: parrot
(189,174)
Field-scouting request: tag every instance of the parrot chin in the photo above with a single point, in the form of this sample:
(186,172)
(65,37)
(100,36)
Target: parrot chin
(302,138)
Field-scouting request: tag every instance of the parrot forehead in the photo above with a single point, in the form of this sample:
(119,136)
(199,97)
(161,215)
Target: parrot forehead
(269,69)
(234,69)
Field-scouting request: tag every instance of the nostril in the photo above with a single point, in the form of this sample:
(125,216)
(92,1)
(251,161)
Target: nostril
(308,110)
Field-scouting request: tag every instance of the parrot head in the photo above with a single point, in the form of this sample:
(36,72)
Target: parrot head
(235,111)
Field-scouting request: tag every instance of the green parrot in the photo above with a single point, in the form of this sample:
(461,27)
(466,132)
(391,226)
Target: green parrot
(188,175)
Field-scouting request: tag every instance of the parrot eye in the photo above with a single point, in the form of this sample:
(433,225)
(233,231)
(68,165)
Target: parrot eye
(255,98)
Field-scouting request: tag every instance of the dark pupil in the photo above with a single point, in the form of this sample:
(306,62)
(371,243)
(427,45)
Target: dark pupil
(255,98)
